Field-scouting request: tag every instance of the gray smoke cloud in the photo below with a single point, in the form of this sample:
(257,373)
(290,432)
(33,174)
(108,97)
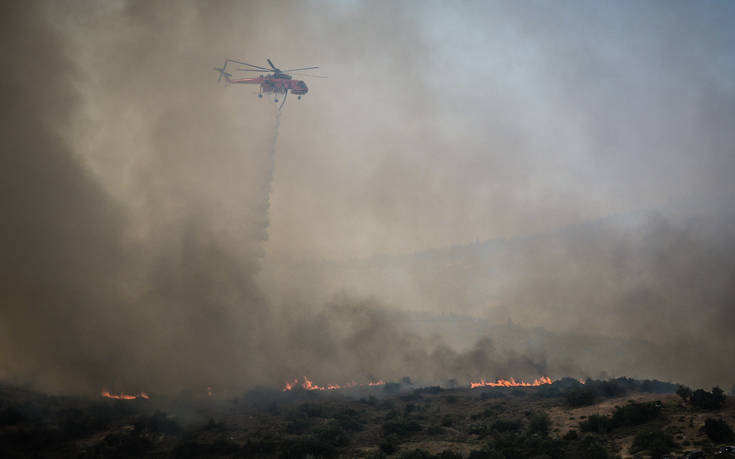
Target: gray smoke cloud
(153,240)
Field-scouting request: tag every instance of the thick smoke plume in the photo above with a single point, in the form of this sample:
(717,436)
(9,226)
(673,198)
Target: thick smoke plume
(148,243)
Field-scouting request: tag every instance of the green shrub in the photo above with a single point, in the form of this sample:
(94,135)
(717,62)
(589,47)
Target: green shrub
(540,423)
(634,414)
(312,410)
(708,400)
(656,442)
(718,430)
(596,423)
(587,447)
(401,427)
(580,396)
(506,426)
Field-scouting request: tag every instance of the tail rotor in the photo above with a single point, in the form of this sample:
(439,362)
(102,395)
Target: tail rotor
(223,72)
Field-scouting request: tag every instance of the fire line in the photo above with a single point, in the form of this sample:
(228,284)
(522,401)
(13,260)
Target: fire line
(511,383)
(124,396)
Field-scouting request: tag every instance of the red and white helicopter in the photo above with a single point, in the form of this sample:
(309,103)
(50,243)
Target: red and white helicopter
(278,82)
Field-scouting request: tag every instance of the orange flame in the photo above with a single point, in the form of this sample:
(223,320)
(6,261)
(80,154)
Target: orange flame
(309,385)
(124,396)
(511,383)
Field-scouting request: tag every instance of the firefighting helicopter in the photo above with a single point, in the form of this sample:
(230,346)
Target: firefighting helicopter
(278,82)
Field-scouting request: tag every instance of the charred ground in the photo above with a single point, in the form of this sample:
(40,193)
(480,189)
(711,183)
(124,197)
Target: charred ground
(599,419)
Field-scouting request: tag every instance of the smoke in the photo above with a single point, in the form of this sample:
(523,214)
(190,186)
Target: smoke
(149,245)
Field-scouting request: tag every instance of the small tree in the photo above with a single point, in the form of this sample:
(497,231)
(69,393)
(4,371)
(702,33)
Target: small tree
(709,400)
(684,392)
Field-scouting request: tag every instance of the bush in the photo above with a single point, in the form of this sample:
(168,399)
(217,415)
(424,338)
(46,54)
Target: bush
(392,387)
(656,442)
(160,423)
(587,447)
(416,454)
(312,410)
(389,445)
(718,430)
(349,420)
(506,426)
(332,435)
(597,424)
(540,423)
(307,446)
(708,400)
(192,449)
(580,396)
(684,392)
(10,416)
(402,428)
(634,414)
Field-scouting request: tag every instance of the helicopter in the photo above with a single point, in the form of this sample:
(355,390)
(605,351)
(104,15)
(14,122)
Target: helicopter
(277,82)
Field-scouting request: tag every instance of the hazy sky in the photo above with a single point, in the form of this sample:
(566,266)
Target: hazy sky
(148,215)
(440,123)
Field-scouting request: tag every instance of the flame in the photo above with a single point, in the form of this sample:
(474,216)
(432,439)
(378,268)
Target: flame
(124,396)
(511,383)
(309,385)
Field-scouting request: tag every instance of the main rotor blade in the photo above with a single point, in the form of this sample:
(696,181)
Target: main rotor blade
(310,76)
(304,68)
(249,65)
(273,66)
(253,70)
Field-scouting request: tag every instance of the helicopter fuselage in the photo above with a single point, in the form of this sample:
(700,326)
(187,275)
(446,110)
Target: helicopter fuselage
(276,83)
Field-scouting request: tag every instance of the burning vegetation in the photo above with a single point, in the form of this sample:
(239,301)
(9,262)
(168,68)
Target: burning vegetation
(511,383)
(124,396)
(307,384)
(506,419)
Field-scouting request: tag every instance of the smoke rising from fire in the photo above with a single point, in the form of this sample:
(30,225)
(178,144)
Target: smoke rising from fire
(149,246)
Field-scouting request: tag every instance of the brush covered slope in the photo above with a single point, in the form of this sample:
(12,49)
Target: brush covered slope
(565,419)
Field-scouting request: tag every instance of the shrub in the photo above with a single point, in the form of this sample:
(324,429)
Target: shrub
(540,423)
(708,400)
(580,396)
(506,426)
(402,428)
(416,454)
(312,410)
(587,447)
(160,423)
(656,442)
(349,420)
(389,445)
(634,414)
(684,392)
(392,387)
(718,430)
(10,416)
(596,423)
(191,449)
(332,435)
(307,446)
